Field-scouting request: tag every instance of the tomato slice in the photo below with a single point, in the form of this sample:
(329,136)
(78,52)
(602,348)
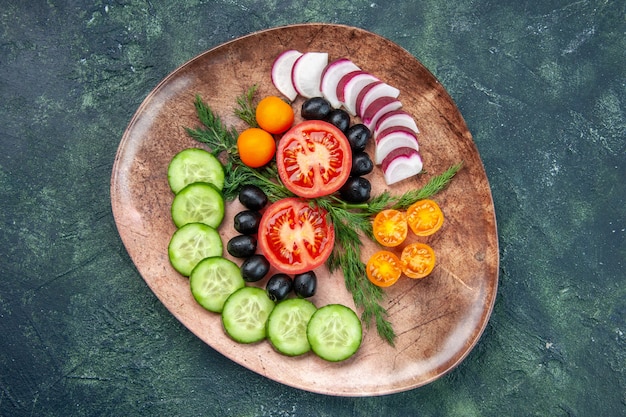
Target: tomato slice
(418,260)
(383,268)
(314,159)
(390,227)
(294,236)
(424,217)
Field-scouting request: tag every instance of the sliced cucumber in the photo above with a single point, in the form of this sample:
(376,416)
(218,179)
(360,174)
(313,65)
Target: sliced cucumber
(213,280)
(286,326)
(199,202)
(245,314)
(194,165)
(334,332)
(192,243)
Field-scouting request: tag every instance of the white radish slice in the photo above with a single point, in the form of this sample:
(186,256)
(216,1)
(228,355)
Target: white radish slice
(371,92)
(400,164)
(306,73)
(332,75)
(395,118)
(378,108)
(393,138)
(281,73)
(352,86)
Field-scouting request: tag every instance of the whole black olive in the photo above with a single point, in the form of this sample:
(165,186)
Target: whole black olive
(247,222)
(255,268)
(316,108)
(356,190)
(241,246)
(358,135)
(305,284)
(361,164)
(339,118)
(252,197)
(278,287)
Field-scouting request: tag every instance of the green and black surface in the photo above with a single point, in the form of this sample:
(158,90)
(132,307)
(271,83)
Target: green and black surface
(542,87)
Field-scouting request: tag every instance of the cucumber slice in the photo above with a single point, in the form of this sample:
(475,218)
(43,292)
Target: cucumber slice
(334,332)
(245,314)
(213,280)
(199,202)
(194,165)
(192,243)
(286,326)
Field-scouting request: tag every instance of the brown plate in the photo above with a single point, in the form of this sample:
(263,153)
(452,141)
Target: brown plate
(437,319)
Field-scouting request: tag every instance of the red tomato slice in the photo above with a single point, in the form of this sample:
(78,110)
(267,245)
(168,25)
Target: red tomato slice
(314,159)
(294,236)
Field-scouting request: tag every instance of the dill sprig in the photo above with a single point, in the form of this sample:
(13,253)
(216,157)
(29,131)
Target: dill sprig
(218,137)
(350,221)
(432,187)
(246,109)
(346,256)
(385,200)
(266,178)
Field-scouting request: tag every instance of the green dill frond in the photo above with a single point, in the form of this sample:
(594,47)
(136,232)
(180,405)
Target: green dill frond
(246,110)
(432,187)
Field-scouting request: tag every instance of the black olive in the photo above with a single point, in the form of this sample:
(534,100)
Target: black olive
(252,197)
(278,287)
(241,246)
(361,164)
(316,108)
(305,284)
(247,222)
(339,118)
(255,268)
(356,190)
(358,136)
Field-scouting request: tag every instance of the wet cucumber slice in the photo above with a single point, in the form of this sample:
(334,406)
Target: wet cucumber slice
(192,243)
(245,314)
(199,202)
(334,332)
(286,326)
(194,165)
(213,280)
